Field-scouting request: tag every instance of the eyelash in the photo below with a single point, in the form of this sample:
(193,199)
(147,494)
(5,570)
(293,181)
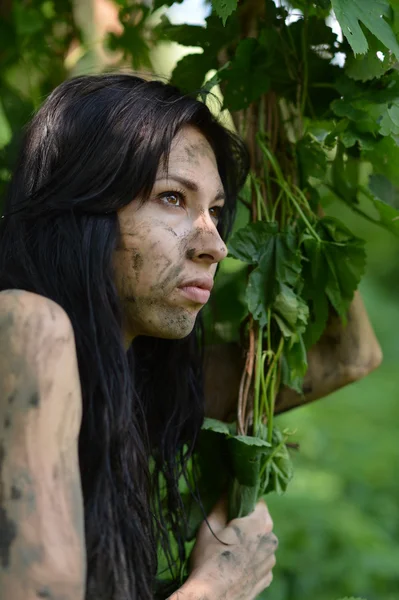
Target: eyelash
(182,197)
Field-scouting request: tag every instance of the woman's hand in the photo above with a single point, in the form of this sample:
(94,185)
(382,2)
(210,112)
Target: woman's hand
(238,571)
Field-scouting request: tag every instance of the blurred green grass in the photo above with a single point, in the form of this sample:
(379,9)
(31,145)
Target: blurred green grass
(338,523)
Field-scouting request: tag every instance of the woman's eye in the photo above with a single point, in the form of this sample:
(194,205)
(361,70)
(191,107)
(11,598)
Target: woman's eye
(215,211)
(172,198)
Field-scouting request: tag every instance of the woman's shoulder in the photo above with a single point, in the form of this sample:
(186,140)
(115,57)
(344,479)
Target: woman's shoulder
(38,355)
(19,308)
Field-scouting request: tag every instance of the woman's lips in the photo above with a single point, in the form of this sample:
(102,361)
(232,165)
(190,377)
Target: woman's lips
(195,294)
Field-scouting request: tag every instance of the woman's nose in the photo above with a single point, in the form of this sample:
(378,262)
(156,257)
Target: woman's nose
(208,245)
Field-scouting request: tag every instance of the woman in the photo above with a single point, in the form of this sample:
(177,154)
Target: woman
(114,226)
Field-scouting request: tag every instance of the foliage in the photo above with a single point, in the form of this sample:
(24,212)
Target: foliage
(34,40)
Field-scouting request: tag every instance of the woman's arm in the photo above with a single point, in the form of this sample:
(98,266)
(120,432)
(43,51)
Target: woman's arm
(343,354)
(42,549)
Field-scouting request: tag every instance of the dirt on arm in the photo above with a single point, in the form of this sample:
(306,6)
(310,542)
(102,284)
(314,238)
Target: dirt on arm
(42,547)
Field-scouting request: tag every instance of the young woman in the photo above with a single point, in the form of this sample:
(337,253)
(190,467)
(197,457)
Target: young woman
(114,225)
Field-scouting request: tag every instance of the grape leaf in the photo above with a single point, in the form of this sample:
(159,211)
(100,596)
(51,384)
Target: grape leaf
(384,157)
(345,257)
(388,216)
(294,365)
(247,243)
(369,66)
(247,75)
(290,313)
(389,124)
(276,468)
(215,425)
(335,264)
(385,190)
(312,159)
(224,8)
(350,13)
(189,73)
(279,262)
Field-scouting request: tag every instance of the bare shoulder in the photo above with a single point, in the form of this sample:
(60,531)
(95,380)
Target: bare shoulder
(17,307)
(38,359)
(40,416)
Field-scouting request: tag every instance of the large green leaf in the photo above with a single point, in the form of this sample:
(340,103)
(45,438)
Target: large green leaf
(278,259)
(336,264)
(370,65)
(345,258)
(248,243)
(190,71)
(247,76)
(350,13)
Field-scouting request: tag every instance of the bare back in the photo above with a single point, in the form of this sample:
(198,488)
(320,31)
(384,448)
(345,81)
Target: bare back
(42,548)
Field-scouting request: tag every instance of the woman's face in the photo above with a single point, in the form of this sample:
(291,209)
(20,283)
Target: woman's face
(170,247)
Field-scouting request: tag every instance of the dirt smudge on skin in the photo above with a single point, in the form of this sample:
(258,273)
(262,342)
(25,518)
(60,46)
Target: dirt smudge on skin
(190,253)
(34,400)
(8,529)
(16,493)
(138,262)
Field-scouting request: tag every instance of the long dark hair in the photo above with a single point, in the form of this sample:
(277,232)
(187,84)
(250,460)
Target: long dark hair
(95,145)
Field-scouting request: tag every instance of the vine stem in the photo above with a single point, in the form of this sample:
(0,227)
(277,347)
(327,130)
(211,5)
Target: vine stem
(258,375)
(246,382)
(304,218)
(272,370)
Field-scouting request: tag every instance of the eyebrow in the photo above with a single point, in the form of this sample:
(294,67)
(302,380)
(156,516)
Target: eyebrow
(191,185)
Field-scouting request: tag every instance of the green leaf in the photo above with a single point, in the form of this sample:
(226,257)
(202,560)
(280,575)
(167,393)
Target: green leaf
(224,8)
(389,124)
(290,313)
(247,244)
(314,273)
(279,263)
(350,13)
(346,260)
(132,40)
(384,190)
(311,158)
(247,76)
(216,426)
(369,66)
(384,157)
(190,71)
(332,272)
(276,468)
(388,216)
(245,453)
(294,365)
(28,20)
